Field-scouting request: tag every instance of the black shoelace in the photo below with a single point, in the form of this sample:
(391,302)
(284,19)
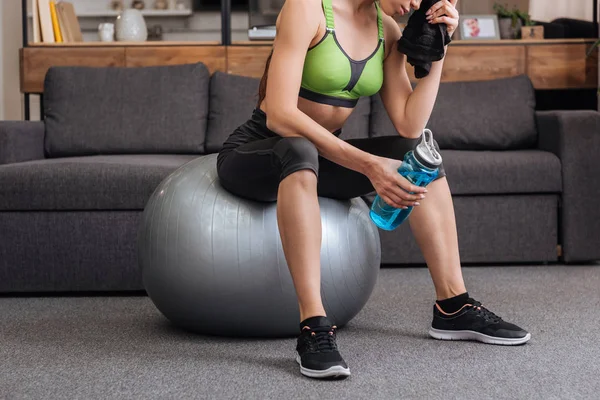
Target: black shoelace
(487,314)
(322,339)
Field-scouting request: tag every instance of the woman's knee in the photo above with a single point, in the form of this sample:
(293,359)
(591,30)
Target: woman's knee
(297,154)
(301,179)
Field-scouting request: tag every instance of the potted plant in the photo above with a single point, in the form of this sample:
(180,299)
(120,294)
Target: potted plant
(509,21)
(530,30)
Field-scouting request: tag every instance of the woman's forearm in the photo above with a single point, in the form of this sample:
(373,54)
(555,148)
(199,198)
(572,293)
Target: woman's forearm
(421,101)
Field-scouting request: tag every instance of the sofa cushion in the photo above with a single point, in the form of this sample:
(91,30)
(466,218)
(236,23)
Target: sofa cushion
(92,111)
(486,115)
(109,182)
(126,182)
(233,97)
(357,125)
(502,172)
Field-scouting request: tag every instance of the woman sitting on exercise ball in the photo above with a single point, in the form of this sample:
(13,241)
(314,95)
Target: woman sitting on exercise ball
(327,54)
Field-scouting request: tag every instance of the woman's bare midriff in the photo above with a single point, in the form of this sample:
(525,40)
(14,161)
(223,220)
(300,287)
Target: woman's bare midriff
(329,117)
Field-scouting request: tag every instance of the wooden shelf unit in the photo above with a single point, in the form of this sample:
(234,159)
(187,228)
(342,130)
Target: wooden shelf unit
(269,43)
(551,64)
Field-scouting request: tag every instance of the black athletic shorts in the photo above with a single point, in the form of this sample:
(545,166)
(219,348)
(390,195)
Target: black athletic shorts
(254,160)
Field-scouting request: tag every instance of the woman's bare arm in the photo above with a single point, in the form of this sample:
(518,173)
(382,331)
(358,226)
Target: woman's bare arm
(409,109)
(297,26)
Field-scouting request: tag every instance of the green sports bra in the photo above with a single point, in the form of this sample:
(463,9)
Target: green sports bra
(331,77)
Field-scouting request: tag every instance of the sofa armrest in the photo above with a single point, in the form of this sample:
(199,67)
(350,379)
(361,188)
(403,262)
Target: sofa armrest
(574,136)
(21,141)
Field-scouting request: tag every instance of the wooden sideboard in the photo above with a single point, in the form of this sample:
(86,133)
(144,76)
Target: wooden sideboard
(551,64)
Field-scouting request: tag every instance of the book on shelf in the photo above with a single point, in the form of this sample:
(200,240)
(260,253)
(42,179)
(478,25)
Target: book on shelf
(55,26)
(55,22)
(37,36)
(62,22)
(46,21)
(67,13)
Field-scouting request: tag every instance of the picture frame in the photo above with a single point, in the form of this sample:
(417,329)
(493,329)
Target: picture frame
(479,27)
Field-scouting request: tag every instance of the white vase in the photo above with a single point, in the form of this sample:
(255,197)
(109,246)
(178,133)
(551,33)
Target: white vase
(131,27)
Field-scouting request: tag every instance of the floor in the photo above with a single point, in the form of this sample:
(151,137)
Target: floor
(123,348)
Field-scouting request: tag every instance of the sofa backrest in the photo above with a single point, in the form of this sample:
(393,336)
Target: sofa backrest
(183,109)
(126,110)
(233,97)
(486,115)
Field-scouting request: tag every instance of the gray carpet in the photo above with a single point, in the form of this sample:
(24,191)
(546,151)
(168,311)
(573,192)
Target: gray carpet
(122,348)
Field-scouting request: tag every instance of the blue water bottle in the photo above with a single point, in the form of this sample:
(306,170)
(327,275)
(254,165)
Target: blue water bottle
(420,167)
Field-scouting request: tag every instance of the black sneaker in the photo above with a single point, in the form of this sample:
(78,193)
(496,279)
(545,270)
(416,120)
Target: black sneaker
(318,354)
(475,322)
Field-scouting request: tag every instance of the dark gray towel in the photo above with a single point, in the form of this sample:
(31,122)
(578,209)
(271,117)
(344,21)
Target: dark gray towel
(422,42)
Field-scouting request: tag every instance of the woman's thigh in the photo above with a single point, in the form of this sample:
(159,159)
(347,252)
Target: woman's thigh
(248,170)
(255,169)
(339,182)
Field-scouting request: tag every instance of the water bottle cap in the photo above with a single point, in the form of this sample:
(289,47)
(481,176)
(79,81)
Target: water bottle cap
(426,153)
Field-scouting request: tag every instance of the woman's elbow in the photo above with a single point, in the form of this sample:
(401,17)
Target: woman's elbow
(404,125)
(409,132)
(279,118)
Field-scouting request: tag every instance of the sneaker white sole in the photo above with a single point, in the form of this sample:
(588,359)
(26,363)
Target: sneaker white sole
(331,372)
(480,337)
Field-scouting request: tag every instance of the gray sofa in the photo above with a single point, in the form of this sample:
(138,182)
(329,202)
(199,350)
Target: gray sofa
(72,188)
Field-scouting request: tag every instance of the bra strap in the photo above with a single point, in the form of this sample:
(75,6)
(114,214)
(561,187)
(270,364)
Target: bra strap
(379,21)
(328,10)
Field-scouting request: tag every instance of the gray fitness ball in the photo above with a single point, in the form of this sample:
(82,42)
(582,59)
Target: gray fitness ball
(213,263)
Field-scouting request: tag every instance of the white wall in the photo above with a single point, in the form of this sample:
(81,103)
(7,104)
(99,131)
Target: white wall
(487,6)
(548,10)
(10,42)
